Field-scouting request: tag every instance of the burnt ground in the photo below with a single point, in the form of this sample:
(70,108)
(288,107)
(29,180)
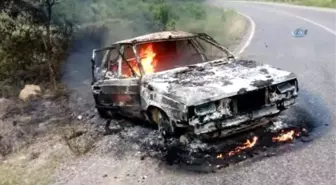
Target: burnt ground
(131,152)
(202,156)
(121,136)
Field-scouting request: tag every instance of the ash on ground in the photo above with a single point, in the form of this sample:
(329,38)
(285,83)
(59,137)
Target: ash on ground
(132,137)
(208,156)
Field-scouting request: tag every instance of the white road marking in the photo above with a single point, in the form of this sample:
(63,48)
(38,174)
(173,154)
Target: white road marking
(253,25)
(248,41)
(312,22)
(331,10)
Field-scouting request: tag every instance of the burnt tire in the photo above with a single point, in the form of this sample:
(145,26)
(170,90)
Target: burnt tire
(103,113)
(166,129)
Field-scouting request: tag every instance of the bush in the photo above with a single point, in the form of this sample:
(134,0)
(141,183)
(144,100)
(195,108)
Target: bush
(31,51)
(23,51)
(112,20)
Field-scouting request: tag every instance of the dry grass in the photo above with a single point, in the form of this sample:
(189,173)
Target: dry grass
(34,165)
(36,137)
(226,26)
(235,25)
(79,139)
(36,162)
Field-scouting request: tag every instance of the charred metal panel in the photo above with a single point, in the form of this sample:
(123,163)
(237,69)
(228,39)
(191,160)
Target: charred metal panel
(213,125)
(211,81)
(152,97)
(120,89)
(157,36)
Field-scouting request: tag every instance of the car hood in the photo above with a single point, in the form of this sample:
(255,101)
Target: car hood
(201,83)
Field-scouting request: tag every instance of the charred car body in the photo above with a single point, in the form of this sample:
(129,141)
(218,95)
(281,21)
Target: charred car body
(184,80)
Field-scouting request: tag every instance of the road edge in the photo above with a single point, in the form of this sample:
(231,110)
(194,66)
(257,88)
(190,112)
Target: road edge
(248,36)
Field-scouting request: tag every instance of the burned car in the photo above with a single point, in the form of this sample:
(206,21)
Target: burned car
(189,82)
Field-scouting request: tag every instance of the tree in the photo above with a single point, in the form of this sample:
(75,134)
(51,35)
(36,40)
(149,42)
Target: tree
(33,45)
(48,5)
(163,16)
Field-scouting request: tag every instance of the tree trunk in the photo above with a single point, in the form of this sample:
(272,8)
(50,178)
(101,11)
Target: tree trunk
(49,47)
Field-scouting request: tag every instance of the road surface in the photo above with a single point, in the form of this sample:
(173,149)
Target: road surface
(312,58)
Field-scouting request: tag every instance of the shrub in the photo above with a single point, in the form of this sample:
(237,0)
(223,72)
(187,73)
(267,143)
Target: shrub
(23,51)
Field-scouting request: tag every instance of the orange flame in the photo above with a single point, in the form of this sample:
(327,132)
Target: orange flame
(148,62)
(248,144)
(285,136)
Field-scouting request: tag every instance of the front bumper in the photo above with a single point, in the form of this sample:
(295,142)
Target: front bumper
(242,122)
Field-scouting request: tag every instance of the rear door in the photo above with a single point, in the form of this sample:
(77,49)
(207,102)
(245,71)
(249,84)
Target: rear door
(122,91)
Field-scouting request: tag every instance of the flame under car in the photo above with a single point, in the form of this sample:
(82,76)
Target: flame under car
(184,81)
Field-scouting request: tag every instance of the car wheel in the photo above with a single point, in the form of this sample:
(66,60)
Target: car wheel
(103,113)
(166,129)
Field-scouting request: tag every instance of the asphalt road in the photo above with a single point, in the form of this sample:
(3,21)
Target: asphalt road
(312,58)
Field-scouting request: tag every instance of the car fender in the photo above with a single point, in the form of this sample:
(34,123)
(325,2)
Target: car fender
(173,109)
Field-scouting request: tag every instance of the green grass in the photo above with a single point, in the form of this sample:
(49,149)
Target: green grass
(225,26)
(112,20)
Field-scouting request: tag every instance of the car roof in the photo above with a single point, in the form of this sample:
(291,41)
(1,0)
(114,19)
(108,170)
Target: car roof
(157,36)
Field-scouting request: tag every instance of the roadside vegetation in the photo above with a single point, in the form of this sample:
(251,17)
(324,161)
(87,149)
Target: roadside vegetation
(318,3)
(111,20)
(36,38)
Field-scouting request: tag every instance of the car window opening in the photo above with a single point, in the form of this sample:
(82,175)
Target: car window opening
(164,55)
(129,63)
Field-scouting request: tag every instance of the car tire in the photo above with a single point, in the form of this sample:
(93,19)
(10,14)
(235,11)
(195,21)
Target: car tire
(166,129)
(103,113)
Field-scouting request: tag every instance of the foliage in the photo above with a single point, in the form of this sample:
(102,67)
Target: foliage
(23,52)
(320,3)
(24,47)
(111,20)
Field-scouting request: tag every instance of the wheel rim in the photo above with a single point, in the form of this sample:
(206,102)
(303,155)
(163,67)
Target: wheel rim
(162,123)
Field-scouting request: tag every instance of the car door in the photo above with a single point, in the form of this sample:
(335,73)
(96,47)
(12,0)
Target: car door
(122,92)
